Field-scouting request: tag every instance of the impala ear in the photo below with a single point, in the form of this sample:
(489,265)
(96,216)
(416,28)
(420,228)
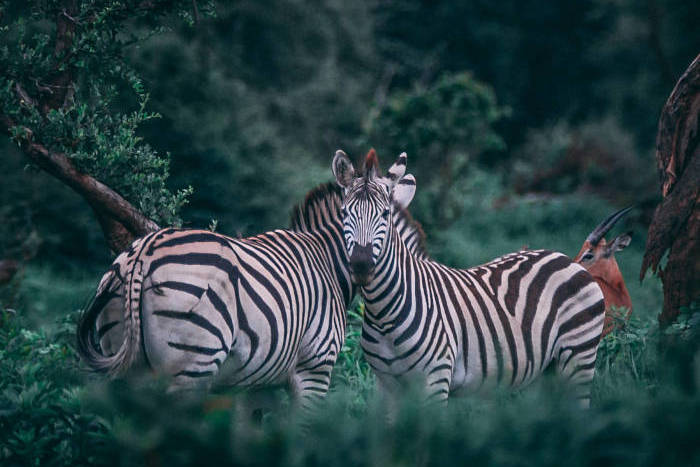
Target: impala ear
(343,169)
(396,172)
(619,243)
(404,191)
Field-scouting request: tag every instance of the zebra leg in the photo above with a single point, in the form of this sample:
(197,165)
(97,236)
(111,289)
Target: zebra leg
(309,383)
(439,379)
(187,384)
(578,347)
(251,405)
(576,365)
(389,392)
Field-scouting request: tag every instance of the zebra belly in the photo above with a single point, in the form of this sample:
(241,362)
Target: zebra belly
(471,378)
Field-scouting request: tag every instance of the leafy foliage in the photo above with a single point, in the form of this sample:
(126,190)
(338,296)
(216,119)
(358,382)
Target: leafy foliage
(560,159)
(255,101)
(444,128)
(89,126)
(41,420)
(644,410)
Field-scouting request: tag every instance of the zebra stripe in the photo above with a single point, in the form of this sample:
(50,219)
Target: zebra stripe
(206,308)
(457,330)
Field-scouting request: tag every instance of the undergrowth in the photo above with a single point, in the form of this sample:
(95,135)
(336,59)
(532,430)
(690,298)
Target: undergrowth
(645,408)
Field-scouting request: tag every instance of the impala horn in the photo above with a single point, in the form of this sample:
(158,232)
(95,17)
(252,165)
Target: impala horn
(603,228)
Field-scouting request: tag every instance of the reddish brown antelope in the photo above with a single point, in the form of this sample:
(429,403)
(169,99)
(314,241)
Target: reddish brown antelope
(598,257)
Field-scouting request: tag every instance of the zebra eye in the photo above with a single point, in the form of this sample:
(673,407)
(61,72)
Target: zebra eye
(343,211)
(385,214)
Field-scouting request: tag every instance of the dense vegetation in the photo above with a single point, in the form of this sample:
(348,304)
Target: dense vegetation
(525,124)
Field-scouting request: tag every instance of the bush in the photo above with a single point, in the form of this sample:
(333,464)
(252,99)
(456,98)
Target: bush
(41,419)
(446,129)
(595,157)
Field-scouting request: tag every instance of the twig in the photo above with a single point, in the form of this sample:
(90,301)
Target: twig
(196,11)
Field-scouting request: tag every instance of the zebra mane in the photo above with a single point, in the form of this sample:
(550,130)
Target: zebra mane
(327,199)
(413,230)
(371,163)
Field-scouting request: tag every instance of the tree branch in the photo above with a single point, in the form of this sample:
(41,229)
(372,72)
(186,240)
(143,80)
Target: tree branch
(62,80)
(121,222)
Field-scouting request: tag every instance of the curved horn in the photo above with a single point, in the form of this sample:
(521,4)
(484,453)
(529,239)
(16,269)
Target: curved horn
(603,228)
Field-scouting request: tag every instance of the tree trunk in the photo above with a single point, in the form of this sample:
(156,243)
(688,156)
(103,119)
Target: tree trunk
(675,227)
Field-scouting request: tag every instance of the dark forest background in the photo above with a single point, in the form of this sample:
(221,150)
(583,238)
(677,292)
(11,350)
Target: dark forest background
(505,99)
(525,124)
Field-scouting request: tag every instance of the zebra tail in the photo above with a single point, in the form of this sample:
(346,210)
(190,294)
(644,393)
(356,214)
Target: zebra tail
(86,339)
(88,342)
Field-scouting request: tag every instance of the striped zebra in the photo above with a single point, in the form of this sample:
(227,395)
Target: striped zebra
(459,330)
(206,308)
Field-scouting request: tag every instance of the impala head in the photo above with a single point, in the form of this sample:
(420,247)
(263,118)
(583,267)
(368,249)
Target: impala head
(598,257)
(369,202)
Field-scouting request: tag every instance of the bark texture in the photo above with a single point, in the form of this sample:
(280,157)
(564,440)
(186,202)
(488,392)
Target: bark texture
(675,227)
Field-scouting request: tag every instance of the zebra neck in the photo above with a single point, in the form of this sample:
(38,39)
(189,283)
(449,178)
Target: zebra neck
(388,295)
(334,246)
(319,216)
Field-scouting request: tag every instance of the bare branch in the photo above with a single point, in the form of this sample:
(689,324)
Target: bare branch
(196,11)
(24,97)
(63,79)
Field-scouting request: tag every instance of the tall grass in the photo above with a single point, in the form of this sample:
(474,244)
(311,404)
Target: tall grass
(644,412)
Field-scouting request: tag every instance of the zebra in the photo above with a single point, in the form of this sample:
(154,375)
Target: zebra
(461,330)
(205,308)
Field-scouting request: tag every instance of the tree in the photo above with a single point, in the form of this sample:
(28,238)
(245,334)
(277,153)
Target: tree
(444,128)
(64,87)
(675,227)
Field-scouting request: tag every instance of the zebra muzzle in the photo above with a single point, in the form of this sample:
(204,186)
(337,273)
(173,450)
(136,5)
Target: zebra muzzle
(361,264)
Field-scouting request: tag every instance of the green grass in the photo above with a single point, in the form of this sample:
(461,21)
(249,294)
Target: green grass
(644,413)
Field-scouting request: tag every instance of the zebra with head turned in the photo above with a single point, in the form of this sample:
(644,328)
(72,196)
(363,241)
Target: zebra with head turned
(461,329)
(205,308)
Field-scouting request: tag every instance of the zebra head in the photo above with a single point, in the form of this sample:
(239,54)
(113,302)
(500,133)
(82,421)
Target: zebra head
(369,202)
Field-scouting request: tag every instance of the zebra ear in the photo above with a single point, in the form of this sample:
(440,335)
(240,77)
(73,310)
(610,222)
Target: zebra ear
(343,169)
(404,190)
(396,171)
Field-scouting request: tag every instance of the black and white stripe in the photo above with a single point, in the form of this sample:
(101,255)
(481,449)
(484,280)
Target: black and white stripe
(206,308)
(463,329)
